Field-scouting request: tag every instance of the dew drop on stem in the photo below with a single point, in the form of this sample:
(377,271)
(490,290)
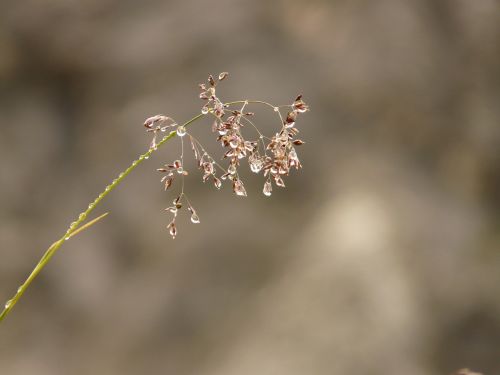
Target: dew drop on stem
(181,131)
(194,218)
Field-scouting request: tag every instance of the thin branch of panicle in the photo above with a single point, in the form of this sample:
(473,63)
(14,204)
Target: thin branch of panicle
(272,157)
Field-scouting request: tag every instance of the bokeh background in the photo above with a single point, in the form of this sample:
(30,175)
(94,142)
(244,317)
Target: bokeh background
(380,257)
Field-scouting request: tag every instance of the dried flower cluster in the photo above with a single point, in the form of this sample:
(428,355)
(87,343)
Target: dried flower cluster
(274,156)
(157,124)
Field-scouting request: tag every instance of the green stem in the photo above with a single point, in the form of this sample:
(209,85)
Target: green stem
(74,227)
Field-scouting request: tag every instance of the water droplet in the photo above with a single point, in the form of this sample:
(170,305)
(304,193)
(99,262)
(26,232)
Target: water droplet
(172,229)
(217,182)
(146,157)
(239,189)
(234,142)
(194,218)
(276,109)
(255,167)
(107,188)
(8,303)
(256,164)
(66,238)
(19,289)
(134,163)
(82,216)
(204,110)
(121,175)
(268,188)
(181,131)
(115,181)
(91,206)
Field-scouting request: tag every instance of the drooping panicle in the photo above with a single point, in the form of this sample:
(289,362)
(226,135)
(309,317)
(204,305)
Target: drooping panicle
(240,139)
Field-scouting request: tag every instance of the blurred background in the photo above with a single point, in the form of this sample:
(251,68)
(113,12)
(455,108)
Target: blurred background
(380,257)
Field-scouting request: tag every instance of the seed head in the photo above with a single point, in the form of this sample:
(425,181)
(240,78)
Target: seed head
(274,157)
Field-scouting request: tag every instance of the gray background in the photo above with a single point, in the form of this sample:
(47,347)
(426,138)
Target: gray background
(380,257)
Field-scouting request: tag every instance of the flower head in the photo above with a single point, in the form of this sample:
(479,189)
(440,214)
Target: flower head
(274,157)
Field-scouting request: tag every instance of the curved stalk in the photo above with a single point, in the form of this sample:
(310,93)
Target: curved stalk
(75,228)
